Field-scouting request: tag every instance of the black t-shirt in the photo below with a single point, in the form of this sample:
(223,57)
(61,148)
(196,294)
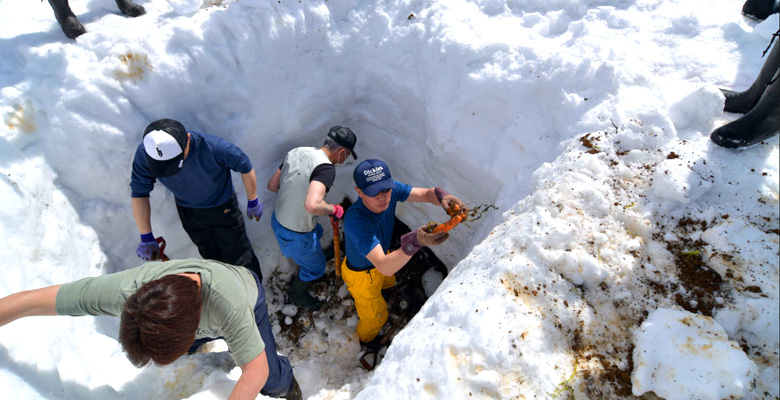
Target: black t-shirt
(324,173)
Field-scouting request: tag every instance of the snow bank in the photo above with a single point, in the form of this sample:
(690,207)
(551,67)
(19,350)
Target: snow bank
(680,355)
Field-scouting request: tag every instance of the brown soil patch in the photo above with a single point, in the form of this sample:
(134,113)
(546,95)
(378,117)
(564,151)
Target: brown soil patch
(608,376)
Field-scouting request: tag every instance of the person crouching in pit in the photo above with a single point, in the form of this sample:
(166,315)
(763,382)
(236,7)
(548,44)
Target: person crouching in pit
(168,310)
(368,227)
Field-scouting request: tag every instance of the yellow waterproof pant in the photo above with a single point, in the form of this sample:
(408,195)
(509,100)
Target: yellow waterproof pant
(366,288)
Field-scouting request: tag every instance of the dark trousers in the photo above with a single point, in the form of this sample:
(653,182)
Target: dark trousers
(280,373)
(220,234)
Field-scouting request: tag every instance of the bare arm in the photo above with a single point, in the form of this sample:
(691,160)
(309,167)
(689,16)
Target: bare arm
(315,200)
(422,195)
(142,211)
(387,264)
(29,303)
(253,377)
(250,184)
(274,182)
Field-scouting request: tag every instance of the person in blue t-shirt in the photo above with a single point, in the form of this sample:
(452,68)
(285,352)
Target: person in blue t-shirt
(196,167)
(369,266)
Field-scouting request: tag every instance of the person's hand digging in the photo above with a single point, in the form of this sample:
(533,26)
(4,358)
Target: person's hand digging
(148,249)
(254,209)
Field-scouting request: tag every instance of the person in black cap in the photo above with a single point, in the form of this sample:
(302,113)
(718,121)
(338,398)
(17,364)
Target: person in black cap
(301,182)
(196,167)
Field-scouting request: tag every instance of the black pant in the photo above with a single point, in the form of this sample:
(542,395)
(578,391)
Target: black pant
(220,235)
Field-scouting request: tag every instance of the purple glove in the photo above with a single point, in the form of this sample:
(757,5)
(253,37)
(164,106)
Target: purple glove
(414,241)
(148,249)
(254,209)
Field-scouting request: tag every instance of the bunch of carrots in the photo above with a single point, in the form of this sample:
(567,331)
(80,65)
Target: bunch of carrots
(457,215)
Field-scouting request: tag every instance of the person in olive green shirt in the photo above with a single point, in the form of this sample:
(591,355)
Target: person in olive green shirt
(170,305)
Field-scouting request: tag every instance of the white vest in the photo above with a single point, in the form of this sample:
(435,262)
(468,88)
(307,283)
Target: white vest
(293,187)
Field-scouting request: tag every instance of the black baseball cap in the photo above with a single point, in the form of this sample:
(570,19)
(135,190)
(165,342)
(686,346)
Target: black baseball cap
(164,141)
(344,137)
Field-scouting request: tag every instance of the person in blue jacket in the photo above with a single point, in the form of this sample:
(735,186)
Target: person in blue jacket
(196,167)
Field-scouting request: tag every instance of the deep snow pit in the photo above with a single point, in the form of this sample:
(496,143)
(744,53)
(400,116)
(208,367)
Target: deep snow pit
(586,122)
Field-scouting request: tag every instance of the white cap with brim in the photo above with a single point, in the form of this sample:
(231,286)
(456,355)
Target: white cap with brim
(163,153)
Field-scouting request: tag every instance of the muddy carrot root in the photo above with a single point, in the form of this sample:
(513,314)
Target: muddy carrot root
(454,209)
(447,226)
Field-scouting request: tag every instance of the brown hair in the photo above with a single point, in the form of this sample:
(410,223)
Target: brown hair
(159,321)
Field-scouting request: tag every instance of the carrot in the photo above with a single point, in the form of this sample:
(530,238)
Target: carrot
(447,226)
(454,209)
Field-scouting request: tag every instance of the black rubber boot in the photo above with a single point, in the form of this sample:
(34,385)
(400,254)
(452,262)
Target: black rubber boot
(129,8)
(759,10)
(69,24)
(762,122)
(295,391)
(742,102)
(375,344)
(299,295)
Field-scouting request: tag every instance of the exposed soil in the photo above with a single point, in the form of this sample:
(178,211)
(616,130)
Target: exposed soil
(699,285)
(587,141)
(608,376)
(605,364)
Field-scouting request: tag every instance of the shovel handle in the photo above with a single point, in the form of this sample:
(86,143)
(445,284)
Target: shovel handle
(161,241)
(369,366)
(334,222)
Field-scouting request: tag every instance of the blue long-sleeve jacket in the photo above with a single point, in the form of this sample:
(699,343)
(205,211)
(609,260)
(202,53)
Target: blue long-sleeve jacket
(204,180)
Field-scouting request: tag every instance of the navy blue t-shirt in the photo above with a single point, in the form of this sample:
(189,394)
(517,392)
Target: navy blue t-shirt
(365,229)
(204,179)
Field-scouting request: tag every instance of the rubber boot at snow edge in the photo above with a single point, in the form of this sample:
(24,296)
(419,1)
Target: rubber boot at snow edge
(129,8)
(761,123)
(69,24)
(742,102)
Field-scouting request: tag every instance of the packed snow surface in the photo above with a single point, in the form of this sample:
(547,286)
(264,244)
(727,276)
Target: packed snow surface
(629,254)
(674,357)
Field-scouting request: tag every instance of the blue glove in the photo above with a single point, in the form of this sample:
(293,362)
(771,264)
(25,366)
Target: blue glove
(148,249)
(254,209)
